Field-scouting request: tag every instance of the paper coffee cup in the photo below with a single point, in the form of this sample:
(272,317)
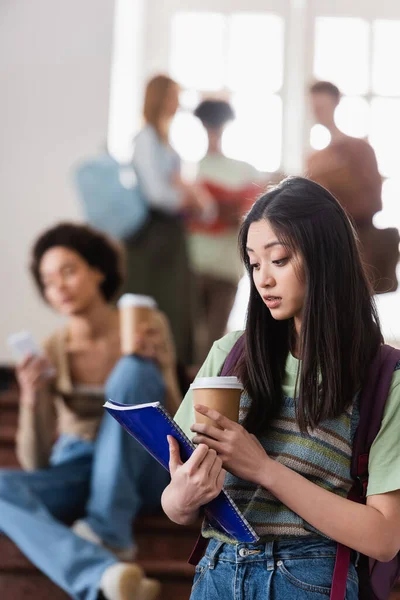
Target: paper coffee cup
(220,393)
(135,310)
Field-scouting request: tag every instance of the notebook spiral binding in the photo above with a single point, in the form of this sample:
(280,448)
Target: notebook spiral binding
(190,446)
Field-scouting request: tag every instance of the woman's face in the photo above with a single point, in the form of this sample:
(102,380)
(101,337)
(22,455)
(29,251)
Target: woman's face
(70,284)
(278,273)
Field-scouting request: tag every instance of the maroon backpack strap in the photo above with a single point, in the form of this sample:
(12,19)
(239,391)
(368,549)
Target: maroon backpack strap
(198,550)
(372,405)
(233,357)
(229,364)
(339,579)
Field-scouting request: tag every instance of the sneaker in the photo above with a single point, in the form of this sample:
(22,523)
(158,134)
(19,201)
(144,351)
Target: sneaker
(149,589)
(83,530)
(122,581)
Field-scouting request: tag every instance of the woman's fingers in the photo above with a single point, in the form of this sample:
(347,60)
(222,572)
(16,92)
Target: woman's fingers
(174,454)
(208,463)
(209,442)
(209,430)
(25,362)
(197,458)
(220,420)
(221,478)
(215,468)
(35,372)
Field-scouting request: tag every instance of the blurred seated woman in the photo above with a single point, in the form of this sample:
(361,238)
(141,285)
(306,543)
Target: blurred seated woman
(80,465)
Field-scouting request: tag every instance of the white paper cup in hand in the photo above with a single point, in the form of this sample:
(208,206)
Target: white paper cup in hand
(135,310)
(220,393)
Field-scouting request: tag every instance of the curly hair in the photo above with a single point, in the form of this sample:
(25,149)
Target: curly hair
(99,251)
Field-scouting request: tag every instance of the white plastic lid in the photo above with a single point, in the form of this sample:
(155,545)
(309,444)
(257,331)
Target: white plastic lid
(232,383)
(136,300)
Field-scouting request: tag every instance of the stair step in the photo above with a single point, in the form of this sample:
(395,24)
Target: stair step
(9,399)
(20,580)
(157,538)
(12,560)
(9,418)
(29,586)
(169,569)
(160,523)
(38,587)
(9,402)
(7,434)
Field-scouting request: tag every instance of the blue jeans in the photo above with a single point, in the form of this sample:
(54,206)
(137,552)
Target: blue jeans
(107,482)
(285,570)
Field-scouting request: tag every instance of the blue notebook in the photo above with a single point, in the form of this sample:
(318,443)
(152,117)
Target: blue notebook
(150,424)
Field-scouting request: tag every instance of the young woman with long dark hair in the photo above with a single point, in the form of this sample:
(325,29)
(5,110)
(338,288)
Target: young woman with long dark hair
(311,333)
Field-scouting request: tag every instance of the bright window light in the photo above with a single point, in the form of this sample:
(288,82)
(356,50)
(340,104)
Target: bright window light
(256,134)
(189,99)
(385,63)
(319,137)
(341,53)
(390,214)
(188,137)
(197,50)
(385,134)
(255,53)
(352,116)
(239,57)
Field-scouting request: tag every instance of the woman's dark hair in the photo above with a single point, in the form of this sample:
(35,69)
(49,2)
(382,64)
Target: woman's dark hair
(340,330)
(95,248)
(214,113)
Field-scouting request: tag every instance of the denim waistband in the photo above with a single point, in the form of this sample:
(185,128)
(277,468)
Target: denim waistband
(283,549)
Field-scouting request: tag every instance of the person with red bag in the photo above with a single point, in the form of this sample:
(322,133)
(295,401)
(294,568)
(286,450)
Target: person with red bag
(233,185)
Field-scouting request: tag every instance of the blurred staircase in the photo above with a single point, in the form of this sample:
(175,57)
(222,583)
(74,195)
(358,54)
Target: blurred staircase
(163,546)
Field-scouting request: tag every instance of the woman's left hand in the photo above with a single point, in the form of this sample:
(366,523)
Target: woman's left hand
(240,451)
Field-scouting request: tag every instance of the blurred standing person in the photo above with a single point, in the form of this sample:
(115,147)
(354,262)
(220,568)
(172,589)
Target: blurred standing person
(347,167)
(232,184)
(157,259)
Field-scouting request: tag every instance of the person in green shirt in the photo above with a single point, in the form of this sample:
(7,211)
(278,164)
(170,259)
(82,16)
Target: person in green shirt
(312,330)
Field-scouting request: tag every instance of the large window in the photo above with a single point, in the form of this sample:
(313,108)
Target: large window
(262,55)
(364,67)
(238,57)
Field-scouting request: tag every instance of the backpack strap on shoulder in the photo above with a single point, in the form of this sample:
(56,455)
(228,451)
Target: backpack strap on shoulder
(372,405)
(233,356)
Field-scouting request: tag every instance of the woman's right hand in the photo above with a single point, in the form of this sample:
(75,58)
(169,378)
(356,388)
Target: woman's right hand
(33,374)
(193,483)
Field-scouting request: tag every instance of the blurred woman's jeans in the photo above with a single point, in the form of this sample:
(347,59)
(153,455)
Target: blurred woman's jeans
(107,482)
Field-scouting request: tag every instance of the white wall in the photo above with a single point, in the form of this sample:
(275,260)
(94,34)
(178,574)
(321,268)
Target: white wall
(55,58)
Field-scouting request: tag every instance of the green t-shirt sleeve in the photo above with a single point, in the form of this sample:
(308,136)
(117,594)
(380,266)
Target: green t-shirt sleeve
(384,458)
(212,367)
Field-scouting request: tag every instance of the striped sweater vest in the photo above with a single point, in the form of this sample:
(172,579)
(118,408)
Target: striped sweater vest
(323,456)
